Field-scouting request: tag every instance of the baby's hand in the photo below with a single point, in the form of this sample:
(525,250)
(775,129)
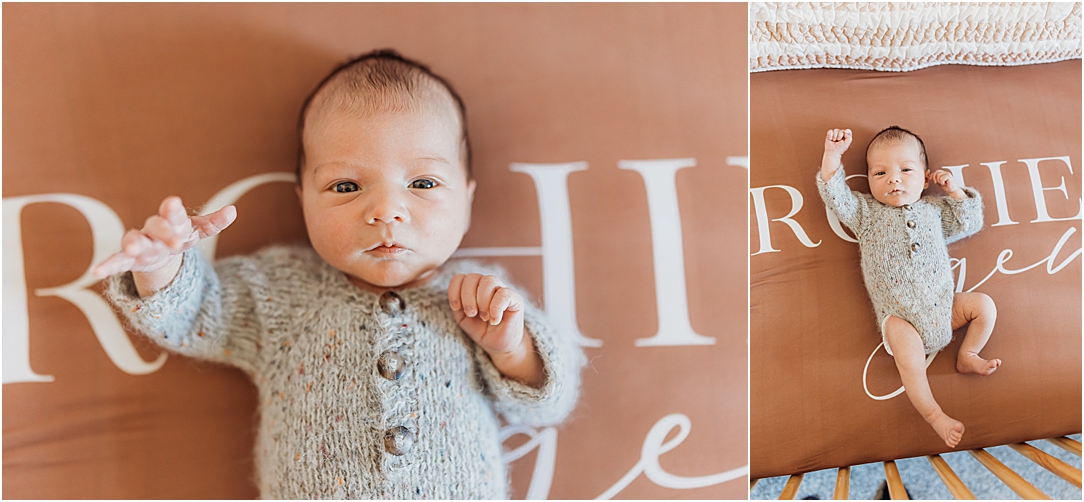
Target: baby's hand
(837,142)
(492,315)
(490,312)
(163,237)
(945,180)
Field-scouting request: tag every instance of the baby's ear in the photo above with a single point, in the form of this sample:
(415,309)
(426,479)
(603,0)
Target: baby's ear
(470,203)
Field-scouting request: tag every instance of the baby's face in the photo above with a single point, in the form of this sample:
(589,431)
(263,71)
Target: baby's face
(386,199)
(896,174)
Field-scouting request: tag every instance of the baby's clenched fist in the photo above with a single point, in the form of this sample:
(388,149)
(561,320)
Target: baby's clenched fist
(945,180)
(490,312)
(837,141)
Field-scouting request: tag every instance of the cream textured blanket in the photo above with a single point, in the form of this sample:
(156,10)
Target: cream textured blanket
(909,36)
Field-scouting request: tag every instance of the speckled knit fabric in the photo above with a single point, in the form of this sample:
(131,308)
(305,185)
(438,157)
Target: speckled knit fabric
(310,340)
(906,265)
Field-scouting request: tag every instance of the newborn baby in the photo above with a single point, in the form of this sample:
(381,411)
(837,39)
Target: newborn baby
(380,368)
(902,237)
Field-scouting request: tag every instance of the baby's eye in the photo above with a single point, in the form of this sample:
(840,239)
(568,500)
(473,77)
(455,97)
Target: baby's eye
(907,169)
(879,173)
(423,184)
(346,187)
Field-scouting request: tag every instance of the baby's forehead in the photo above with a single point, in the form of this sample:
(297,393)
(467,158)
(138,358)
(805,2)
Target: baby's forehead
(908,144)
(365,103)
(329,126)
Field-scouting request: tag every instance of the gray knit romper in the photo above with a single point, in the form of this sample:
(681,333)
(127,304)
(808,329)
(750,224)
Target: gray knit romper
(361,395)
(905,261)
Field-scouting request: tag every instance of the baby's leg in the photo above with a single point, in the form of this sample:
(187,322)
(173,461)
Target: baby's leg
(979,310)
(911,361)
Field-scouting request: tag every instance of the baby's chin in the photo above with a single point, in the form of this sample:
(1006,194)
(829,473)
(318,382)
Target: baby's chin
(897,200)
(391,276)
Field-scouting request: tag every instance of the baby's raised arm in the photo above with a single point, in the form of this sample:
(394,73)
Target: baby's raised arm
(836,142)
(153,254)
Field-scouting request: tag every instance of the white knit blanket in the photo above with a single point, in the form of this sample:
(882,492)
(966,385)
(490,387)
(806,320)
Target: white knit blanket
(908,36)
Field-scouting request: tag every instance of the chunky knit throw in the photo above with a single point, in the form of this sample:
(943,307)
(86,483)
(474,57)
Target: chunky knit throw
(905,261)
(361,395)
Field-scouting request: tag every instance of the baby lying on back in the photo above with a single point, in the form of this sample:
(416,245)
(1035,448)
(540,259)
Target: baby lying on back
(380,368)
(905,263)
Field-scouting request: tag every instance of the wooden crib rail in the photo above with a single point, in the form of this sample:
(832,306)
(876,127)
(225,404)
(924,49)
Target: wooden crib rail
(791,488)
(1008,476)
(896,491)
(1049,462)
(953,482)
(1068,444)
(843,484)
(955,485)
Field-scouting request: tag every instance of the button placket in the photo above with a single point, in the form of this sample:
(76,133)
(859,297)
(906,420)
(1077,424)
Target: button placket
(396,343)
(910,223)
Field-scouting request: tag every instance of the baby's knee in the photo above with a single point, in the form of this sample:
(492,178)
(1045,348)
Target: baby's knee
(973,306)
(984,305)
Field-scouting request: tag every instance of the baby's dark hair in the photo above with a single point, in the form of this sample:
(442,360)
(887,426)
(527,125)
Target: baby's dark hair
(896,134)
(378,81)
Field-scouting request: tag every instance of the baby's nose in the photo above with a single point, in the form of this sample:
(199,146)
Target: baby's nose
(385,218)
(386,206)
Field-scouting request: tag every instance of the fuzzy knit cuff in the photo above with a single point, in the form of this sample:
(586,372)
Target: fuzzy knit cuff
(170,312)
(552,402)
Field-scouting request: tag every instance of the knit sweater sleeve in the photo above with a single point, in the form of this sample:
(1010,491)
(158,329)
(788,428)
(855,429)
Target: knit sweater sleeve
(554,400)
(961,218)
(205,313)
(850,207)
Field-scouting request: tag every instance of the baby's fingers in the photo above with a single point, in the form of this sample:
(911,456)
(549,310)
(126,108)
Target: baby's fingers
(468,296)
(161,229)
(504,300)
(455,287)
(172,210)
(134,247)
(115,264)
(487,286)
(134,243)
(215,222)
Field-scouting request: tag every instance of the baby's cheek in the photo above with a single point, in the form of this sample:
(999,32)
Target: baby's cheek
(334,245)
(445,232)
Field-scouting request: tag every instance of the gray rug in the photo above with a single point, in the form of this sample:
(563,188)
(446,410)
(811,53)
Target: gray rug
(923,483)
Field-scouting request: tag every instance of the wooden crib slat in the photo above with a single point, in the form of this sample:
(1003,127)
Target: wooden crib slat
(1049,462)
(1068,444)
(953,482)
(791,488)
(843,484)
(896,490)
(1011,479)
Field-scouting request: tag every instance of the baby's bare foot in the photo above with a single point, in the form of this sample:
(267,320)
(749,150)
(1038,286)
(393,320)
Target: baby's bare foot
(951,431)
(969,362)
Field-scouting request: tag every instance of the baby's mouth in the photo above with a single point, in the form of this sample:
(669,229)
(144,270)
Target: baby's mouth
(386,249)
